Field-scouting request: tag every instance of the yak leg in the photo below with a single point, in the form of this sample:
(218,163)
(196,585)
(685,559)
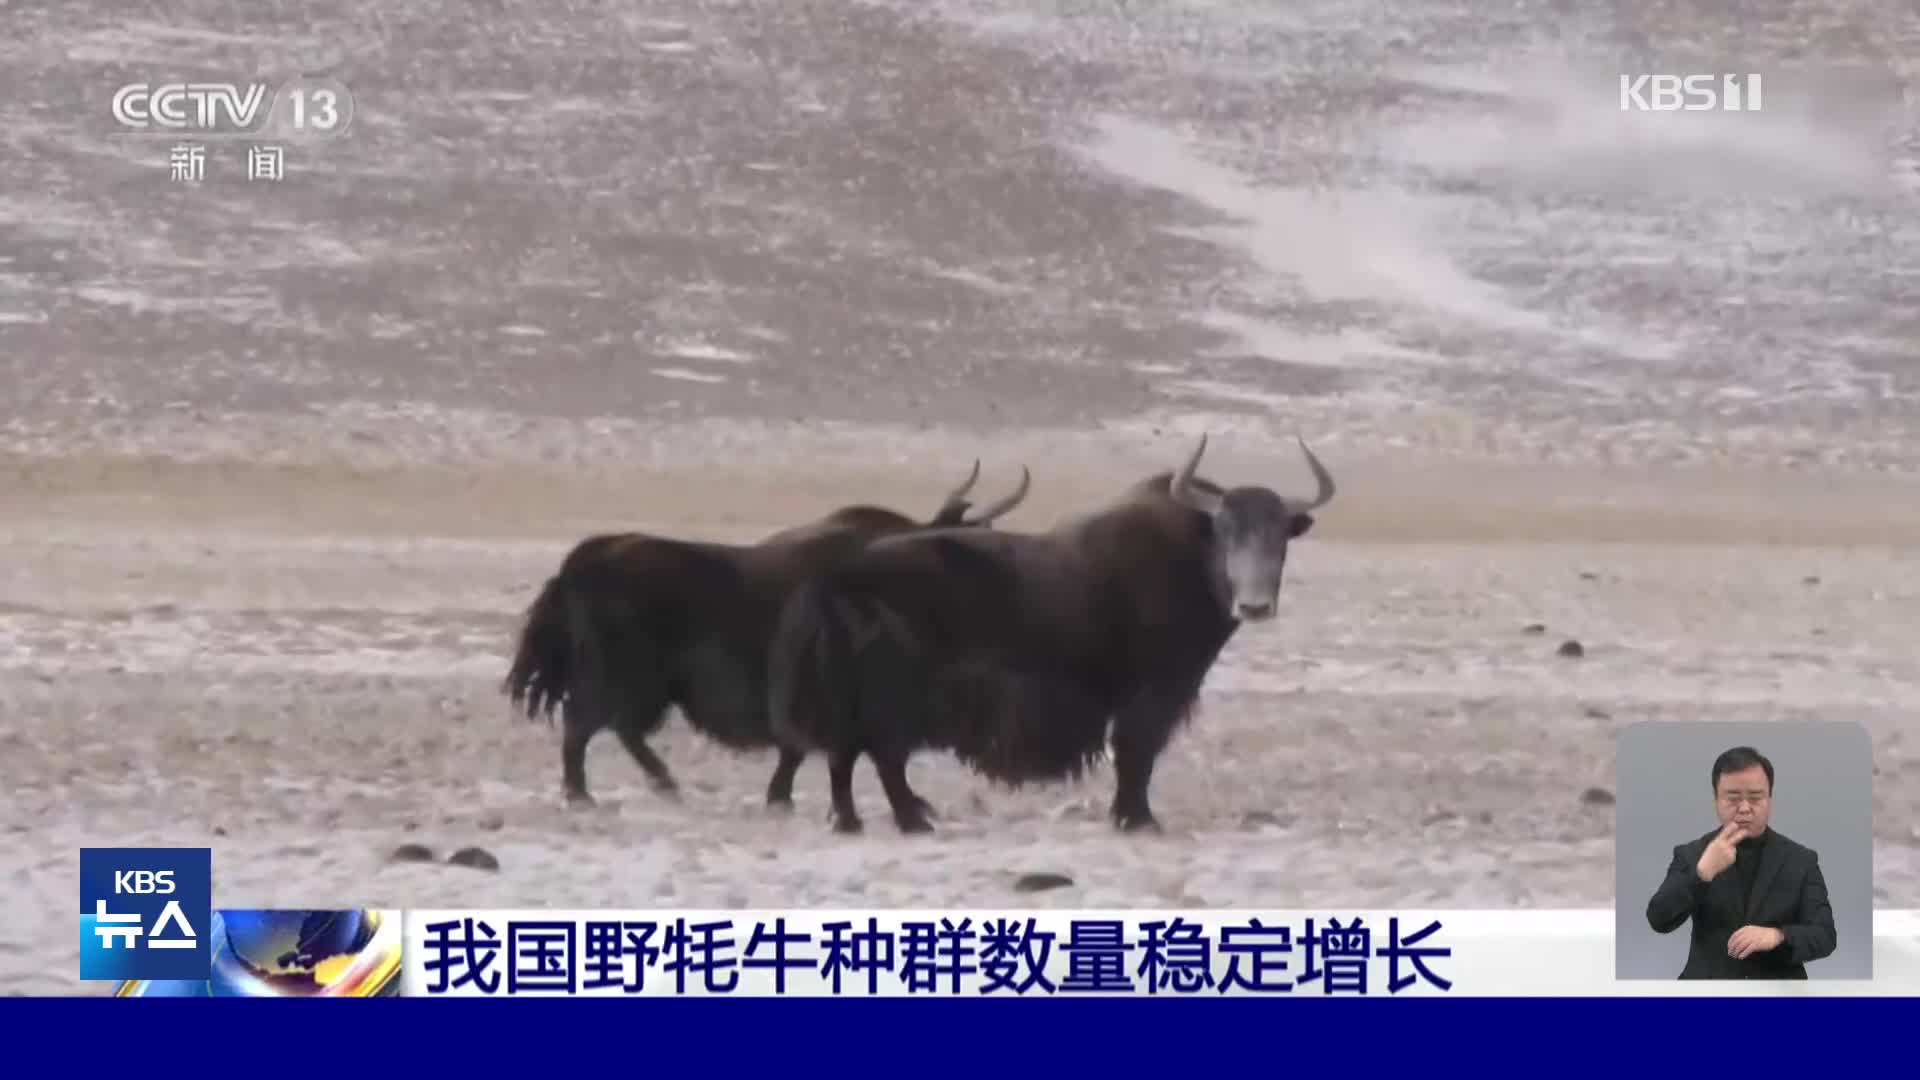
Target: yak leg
(846,818)
(910,811)
(581,725)
(638,706)
(897,685)
(780,788)
(577,730)
(634,738)
(1140,732)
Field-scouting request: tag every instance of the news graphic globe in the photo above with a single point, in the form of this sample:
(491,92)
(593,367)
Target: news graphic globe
(288,953)
(292,953)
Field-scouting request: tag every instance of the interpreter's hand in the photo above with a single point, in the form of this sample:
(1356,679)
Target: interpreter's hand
(1720,853)
(1753,939)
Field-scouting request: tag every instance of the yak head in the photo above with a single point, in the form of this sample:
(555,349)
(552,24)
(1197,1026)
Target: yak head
(1251,529)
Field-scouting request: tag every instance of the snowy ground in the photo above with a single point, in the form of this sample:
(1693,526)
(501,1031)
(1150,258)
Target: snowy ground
(280,465)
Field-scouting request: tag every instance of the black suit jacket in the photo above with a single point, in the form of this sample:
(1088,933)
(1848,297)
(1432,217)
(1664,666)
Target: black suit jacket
(1789,894)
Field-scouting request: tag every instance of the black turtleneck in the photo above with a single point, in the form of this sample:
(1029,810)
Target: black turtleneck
(1746,864)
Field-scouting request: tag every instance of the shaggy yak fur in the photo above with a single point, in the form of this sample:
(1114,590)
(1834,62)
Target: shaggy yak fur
(1022,652)
(632,624)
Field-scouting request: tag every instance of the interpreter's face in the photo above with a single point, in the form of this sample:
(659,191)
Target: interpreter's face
(1744,798)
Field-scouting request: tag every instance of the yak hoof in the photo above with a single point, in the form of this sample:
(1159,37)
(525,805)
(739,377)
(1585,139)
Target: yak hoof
(847,824)
(580,800)
(667,790)
(780,807)
(913,823)
(1136,821)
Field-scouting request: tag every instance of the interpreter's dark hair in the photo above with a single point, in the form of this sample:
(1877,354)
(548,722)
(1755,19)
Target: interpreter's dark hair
(1741,757)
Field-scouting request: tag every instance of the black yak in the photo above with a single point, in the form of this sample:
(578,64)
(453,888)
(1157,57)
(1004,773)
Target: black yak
(1015,650)
(632,623)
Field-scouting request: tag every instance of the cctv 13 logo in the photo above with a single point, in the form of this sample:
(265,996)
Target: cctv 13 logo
(145,913)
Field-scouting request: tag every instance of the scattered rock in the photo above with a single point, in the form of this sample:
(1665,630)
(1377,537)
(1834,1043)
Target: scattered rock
(411,853)
(1594,712)
(1483,817)
(1810,579)
(1588,575)
(1572,649)
(491,823)
(1042,882)
(219,830)
(475,858)
(1597,796)
(1534,628)
(1439,817)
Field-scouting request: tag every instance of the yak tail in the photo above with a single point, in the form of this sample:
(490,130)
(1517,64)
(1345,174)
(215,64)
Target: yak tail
(811,675)
(552,648)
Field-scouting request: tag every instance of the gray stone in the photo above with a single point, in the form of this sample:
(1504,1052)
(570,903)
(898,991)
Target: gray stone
(474,858)
(1042,882)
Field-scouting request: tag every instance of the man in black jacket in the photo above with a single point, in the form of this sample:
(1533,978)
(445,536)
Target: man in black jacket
(1757,899)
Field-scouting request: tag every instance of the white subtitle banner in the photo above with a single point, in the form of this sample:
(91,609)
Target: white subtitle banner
(1056,953)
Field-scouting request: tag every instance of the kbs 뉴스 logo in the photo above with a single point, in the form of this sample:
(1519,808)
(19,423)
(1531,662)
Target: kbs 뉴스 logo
(145,913)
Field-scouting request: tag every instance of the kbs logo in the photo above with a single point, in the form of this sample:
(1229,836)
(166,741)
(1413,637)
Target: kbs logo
(145,913)
(1691,93)
(143,881)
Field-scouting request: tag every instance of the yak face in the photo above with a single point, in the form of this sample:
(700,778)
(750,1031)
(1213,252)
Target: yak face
(1251,529)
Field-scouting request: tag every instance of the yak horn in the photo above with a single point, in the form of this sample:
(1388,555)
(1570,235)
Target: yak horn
(967,484)
(955,502)
(1181,487)
(1322,479)
(999,509)
(1181,479)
